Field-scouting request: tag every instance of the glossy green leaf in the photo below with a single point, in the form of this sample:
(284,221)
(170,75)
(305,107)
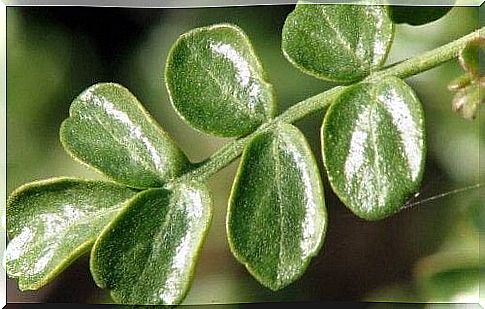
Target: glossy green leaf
(341,43)
(109,130)
(148,254)
(277,218)
(216,83)
(52,222)
(417,15)
(373,147)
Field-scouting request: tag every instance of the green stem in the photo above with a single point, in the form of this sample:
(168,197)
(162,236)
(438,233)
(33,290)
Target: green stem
(407,68)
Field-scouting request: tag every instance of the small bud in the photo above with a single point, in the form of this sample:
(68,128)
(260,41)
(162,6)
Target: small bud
(467,101)
(460,82)
(469,56)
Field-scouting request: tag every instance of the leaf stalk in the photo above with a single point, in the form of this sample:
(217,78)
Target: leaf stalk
(407,68)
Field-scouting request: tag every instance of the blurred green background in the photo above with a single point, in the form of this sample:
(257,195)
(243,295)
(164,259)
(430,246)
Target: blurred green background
(427,253)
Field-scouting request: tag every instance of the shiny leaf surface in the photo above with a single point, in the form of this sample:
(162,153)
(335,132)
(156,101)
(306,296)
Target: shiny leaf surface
(109,130)
(148,254)
(52,222)
(373,147)
(216,83)
(277,218)
(341,43)
(417,15)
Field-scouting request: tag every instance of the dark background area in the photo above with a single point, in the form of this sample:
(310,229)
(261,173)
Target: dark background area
(53,53)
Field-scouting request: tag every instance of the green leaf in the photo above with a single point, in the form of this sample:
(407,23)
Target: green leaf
(277,218)
(342,43)
(52,222)
(148,254)
(417,15)
(373,147)
(216,83)
(469,56)
(109,130)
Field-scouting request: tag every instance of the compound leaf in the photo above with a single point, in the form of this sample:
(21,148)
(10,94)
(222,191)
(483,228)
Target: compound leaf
(52,222)
(277,218)
(109,130)
(341,43)
(373,147)
(148,253)
(216,83)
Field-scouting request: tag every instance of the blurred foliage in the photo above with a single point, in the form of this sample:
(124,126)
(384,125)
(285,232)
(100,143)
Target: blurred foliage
(45,65)
(420,254)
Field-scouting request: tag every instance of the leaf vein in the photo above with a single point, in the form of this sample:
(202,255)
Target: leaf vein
(144,163)
(279,194)
(340,39)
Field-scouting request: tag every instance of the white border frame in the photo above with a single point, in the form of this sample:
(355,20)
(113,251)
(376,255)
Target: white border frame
(145,4)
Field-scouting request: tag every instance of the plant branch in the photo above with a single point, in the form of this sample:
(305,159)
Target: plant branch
(404,69)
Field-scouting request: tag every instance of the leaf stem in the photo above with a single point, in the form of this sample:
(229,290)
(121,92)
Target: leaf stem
(404,69)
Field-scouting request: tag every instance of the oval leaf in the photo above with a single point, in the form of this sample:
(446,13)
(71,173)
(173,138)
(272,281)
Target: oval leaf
(373,147)
(148,254)
(52,222)
(277,218)
(216,83)
(417,15)
(109,130)
(341,43)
